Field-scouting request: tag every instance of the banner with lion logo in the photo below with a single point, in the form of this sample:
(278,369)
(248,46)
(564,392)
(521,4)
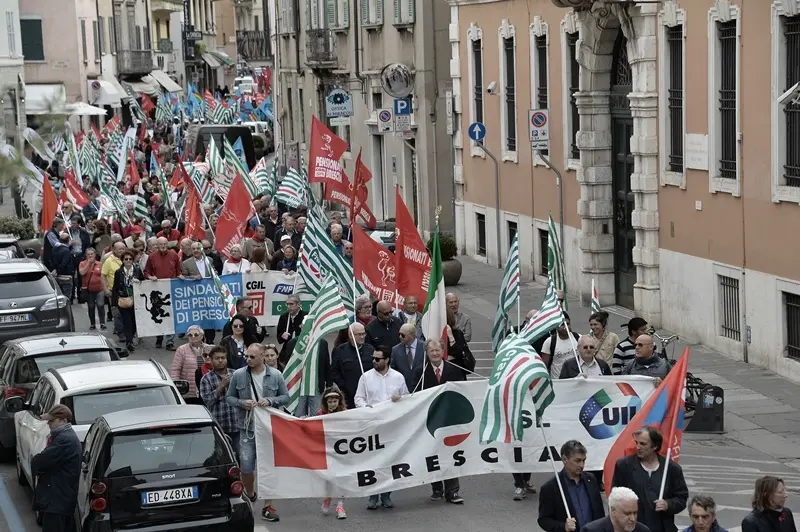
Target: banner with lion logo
(170,306)
(435,435)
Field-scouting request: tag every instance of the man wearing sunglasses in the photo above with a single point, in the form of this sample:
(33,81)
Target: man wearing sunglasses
(647,363)
(244,307)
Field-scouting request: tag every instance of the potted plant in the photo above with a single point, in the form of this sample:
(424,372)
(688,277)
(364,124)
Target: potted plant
(451,267)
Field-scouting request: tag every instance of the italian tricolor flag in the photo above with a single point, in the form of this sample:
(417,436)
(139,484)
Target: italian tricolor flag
(434,317)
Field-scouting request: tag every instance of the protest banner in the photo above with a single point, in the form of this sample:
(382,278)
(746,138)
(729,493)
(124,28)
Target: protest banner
(170,306)
(434,435)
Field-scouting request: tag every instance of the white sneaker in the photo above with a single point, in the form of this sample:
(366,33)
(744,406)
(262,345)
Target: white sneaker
(519,494)
(340,512)
(326,505)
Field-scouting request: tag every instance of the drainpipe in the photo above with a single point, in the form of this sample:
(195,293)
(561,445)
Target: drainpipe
(97,14)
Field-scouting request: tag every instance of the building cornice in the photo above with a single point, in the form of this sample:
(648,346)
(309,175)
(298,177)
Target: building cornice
(472,2)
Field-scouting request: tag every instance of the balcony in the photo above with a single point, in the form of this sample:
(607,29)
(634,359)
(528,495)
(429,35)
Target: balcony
(164,46)
(168,6)
(321,49)
(253,45)
(134,62)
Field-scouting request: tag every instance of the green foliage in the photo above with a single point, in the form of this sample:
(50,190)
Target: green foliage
(21,227)
(447,247)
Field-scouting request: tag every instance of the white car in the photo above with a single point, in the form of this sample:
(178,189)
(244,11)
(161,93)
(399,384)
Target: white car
(90,391)
(246,83)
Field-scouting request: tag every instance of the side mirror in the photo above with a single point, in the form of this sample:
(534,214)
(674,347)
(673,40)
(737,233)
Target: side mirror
(122,352)
(182,386)
(15,404)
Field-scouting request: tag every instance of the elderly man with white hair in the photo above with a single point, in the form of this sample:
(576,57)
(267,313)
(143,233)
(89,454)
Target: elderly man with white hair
(349,360)
(623,509)
(591,366)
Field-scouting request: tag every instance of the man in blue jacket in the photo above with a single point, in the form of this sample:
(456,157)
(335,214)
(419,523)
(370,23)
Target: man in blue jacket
(58,467)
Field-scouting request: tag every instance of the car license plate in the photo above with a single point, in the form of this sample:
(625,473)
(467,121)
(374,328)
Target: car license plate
(15,318)
(171,495)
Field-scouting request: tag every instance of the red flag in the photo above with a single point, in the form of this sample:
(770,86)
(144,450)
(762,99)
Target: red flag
(194,216)
(96,131)
(147,104)
(664,410)
(185,179)
(413,269)
(342,192)
(325,150)
(73,192)
(112,124)
(373,265)
(236,212)
(133,170)
(177,179)
(79,138)
(49,204)
(359,193)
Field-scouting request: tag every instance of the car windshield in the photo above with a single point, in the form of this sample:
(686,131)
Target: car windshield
(29,284)
(166,449)
(88,407)
(29,369)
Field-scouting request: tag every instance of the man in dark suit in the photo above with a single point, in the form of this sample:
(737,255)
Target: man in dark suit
(346,370)
(590,364)
(408,355)
(290,323)
(385,329)
(434,373)
(58,467)
(580,489)
(623,508)
(642,473)
(309,405)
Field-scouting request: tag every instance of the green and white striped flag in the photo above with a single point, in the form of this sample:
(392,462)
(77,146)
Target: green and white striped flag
(233,162)
(548,317)
(292,191)
(140,208)
(263,178)
(163,111)
(273,178)
(228,299)
(595,299)
(517,370)
(214,159)
(555,261)
(326,316)
(509,294)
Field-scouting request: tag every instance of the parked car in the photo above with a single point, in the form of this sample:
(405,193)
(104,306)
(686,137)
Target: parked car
(264,131)
(164,468)
(10,244)
(246,83)
(30,300)
(23,361)
(90,391)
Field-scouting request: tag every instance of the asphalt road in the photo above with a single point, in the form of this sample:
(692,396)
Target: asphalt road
(715,465)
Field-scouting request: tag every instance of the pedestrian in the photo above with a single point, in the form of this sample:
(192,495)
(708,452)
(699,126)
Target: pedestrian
(559,347)
(581,490)
(64,265)
(349,360)
(244,308)
(380,384)
(290,323)
(607,341)
(643,472)
(213,392)
(703,513)
(769,511)
(259,261)
(647,362)
(458,351)
(364,310)
(258,241)
(237,342)
(625,350)
(164,264)
(333,401)
(385,329)
(623,508)
(409,354)
(92,287)
(463,321)
(199,267)
(122,298)
(289,262)
(58,469)
(188,357)
(591,364)
(255,386)
(409,314)
(271,357)
(235,263)
(204,368)
(436,372)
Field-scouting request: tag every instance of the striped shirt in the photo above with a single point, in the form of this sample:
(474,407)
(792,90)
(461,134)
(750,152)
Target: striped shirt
(624,353)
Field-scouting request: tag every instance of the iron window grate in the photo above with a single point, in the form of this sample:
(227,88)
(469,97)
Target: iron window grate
(480,222)
(792,302)
(477,90)
(675,97)
(727,98)
(510,94)
(574,86)
(730,325)
(791,33)
(541,76)
(544,243)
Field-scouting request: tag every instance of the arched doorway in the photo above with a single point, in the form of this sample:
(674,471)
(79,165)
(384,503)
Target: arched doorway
(621,170)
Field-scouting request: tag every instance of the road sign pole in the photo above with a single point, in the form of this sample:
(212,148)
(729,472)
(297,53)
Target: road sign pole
(497,200)
(560,183)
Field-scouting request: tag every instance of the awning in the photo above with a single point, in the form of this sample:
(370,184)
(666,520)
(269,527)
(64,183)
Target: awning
(42,98)
(84,109)
(110,78)
(165,81)
(102,92)
(222,57)
(211,60)
(144,86)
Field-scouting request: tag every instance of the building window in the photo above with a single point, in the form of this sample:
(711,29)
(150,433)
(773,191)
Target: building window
(477,79)
(574,72)
(133,34)
(792,311)
(377,101)
(675,97)
(729,314)
(508,75)
(727,98)
(96,40)
(112,33)
(480,221)
(544,243)
(791,34)
(11,32)
(84,47)
(101,35)
(32,43)
(540,73)
(291,113)
(302,116)
(511,228)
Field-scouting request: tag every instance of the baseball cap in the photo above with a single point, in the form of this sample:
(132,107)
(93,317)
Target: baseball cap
(58,412)
(285,237)
(136,229)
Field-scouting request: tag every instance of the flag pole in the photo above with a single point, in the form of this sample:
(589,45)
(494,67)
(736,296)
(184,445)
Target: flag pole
(358,356)
(574,345)
(555,472)
(668,458)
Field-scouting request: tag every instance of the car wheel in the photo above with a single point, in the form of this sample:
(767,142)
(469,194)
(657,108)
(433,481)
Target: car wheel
(20,474)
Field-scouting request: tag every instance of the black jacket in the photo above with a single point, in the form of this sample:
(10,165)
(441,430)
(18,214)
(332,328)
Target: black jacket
(62,260)
(120,288)
(346,371)
(380,333)
(294,325)
(628,472)
(551,508)
(570,368)
(449,373)
(605,525)
(250,330)
(324,368)
(234,360)
(58,467)
(460,354)
(769,521)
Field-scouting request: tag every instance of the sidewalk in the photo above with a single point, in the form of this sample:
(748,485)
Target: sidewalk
(762,409)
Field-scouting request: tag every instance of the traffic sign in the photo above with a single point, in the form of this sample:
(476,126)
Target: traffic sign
(385,122)
(402,123)
(477,131)
(403,106)
(539,127)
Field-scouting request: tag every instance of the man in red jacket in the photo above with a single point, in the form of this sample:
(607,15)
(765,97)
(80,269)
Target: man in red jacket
(163,264)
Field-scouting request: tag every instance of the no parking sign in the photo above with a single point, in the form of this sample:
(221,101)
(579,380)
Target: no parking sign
(539,126)
(385,122)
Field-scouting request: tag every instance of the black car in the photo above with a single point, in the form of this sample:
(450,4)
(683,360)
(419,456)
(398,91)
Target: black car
(30,301)
(23,361)
(160,468)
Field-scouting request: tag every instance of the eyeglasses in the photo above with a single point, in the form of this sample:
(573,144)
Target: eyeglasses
(376,359)
(194,335)
(237,326)
(127,259)
(588,347)
(249,307)
(270,346)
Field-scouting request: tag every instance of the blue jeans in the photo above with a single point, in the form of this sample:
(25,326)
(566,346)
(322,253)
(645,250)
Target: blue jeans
(307,405)
(95,300)
(247,453)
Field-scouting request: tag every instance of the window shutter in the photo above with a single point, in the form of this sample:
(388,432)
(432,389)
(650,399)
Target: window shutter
(101,34)
(344,9)
(96,39)
(331,18)
(412,11)
(364,11)
(315,21)
(308,14)
(378,11)
(83,41)
(284,23)
(398,11)
(12,40)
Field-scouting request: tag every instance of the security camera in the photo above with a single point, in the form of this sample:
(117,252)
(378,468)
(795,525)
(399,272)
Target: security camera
(792,96)
(492,88)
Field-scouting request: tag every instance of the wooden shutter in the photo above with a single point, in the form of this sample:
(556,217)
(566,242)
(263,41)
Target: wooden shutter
(365,11)
(378,12)
(344,9)
(331,16)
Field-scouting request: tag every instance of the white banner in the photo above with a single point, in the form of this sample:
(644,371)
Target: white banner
(169,306)
(434,435)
